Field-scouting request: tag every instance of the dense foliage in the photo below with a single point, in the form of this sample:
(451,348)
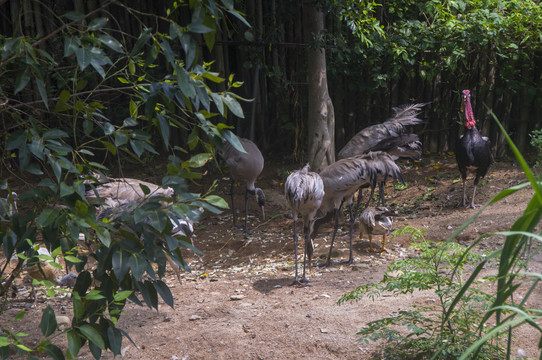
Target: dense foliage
(87,96)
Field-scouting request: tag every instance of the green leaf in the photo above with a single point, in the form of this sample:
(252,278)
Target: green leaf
(233,105)
(43,92)
(97,24)
(74,16)
(66,190)
(22,79)
(111,43)
(74,342)
(94,295)
(149,294)
(120,138)
(115,340)
(19,316)
(164,129)
(48,321)
(143,38)
(92,335)
(122,295)
(216,201)
(133,111)
(108,128)
(233,140)
(200,159)
(164,292)
(119,262)
(47,217)
(84,57)
(54,352)
(183,80)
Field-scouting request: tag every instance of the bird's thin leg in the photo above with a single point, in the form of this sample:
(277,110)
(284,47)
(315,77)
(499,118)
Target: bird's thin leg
(296,281)
(352,220)
(232,205)
(383,243)
(307,245)
(381,189)
(246,211)
(473,194)
(337,211)
(464,193)
(370,196)
(370,242)
(358,203)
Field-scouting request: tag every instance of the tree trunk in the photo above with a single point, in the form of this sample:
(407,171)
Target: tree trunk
(321,117)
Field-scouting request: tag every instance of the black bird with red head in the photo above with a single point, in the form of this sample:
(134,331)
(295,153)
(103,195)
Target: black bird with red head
(473,151)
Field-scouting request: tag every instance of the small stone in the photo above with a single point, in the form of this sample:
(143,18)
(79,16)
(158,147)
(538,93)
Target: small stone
(323,331)
(237,297)
(194,318)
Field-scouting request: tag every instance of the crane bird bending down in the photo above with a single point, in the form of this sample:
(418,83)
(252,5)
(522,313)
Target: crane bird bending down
(304,191)
(113,192)
(375,221)
(341,181)
(245,168)
(473,151)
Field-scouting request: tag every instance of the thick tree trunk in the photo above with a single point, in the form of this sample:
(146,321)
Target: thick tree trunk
(321,117)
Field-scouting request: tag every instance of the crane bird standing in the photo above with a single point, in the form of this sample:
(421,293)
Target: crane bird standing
(341,181)
(376,221)
(473,151)
(304,191)
(245,168)
(392,132)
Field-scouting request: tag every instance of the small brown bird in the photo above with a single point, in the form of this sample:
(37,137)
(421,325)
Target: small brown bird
(375,221)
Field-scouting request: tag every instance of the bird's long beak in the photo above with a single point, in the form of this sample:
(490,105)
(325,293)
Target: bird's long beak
(263,212)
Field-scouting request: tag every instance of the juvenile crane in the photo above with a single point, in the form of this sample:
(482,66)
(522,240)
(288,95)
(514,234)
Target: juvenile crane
(473,151)
(304,191)
(245,168)
(341,181)
(375,221)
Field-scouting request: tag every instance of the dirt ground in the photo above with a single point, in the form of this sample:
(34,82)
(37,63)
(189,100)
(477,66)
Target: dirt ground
(238,302)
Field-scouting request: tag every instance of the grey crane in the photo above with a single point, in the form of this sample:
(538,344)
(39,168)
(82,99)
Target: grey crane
(390,136)
(341,181)
(374,137)
(375,221)
(304,191)
(245,167)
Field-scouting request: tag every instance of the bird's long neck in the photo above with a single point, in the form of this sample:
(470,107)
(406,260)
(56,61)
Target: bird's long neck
(470,123)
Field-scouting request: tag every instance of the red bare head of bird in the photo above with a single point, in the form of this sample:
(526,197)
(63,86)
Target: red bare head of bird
(467,109)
